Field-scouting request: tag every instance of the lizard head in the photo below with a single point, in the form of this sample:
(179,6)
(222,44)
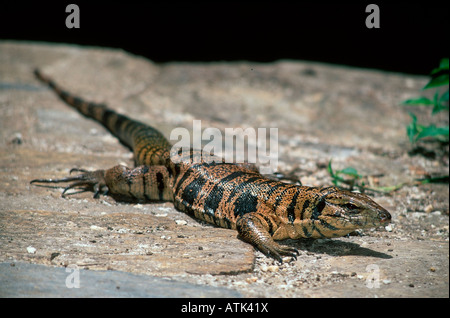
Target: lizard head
(347,211)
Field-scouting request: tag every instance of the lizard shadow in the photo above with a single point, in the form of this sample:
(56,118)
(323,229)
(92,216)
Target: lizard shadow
(334,247)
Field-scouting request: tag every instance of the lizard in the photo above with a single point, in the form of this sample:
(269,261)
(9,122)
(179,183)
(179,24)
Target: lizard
(228,195)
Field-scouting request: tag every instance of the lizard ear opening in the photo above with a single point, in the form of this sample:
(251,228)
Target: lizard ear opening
(320,205)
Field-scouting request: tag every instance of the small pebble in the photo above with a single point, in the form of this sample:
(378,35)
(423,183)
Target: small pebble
(96,228)
(251,280)
(17,139)
(31,250)
(270,268)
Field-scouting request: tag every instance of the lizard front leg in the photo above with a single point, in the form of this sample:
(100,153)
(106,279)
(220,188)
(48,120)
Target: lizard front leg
(150,183)
(253,228)
(88,179)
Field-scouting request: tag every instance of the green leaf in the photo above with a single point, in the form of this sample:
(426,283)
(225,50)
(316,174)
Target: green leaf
(432,131)
(350,171)
(437,105)
(414,117)
(442,66)
(444,97)
(411,133)
(438,108)
(437,81)
(330,170)
(444,131)
(411,129)
(438,179)
(418,101)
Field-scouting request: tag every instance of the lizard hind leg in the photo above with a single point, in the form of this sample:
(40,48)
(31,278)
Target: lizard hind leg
(88,179)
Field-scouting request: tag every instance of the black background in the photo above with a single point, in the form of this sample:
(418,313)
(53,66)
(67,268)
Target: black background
(412,37)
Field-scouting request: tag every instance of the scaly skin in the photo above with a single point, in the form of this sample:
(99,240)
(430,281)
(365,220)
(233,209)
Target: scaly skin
(233,196)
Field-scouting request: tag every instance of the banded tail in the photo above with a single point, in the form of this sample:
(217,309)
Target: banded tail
(149,145)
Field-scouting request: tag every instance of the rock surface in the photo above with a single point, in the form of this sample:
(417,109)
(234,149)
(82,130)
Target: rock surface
(321,112)
(39,281)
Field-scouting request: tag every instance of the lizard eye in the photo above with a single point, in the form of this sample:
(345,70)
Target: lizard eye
(351,206)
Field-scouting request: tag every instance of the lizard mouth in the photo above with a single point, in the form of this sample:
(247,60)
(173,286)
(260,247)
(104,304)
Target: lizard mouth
(385,216)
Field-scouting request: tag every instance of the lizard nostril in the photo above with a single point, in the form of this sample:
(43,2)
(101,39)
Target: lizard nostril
(384,216)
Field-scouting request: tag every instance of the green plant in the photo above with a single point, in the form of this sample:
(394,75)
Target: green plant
(350,178)
(416,131)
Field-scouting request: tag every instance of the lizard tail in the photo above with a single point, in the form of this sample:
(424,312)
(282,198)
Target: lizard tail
(149,145)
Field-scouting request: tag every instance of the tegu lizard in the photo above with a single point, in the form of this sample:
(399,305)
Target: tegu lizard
(233,196)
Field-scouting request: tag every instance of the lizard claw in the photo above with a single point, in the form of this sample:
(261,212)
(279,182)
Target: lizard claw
(89,179)
(276,250)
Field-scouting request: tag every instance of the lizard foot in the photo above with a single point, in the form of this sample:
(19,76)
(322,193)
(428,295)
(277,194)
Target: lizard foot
(252,228)
(94,180)
(276,250)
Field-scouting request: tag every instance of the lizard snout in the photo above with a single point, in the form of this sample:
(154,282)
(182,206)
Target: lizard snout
(385,216)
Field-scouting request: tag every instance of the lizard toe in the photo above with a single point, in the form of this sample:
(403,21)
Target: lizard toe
(94,180)
(276,251)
